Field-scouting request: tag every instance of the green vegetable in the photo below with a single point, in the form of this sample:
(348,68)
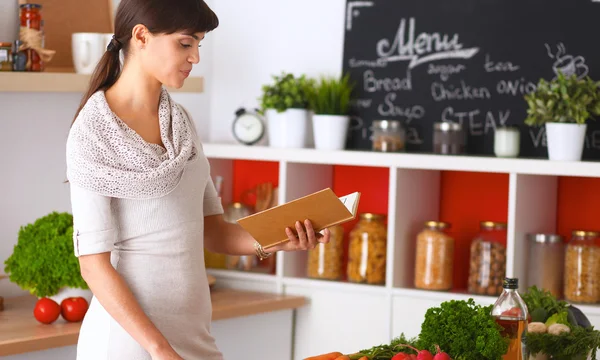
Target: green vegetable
(536,298)
(43,260)
(286,92)
(558,318)
(464,330)
(574,345)
(330,96)
(539,315)
(386,351)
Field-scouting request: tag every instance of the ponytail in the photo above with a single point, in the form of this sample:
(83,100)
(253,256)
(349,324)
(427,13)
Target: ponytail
(105,75)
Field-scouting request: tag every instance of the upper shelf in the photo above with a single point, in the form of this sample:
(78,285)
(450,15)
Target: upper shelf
(50,81)
(406,160)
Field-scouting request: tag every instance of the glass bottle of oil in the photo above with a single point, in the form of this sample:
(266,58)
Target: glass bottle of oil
(510,312)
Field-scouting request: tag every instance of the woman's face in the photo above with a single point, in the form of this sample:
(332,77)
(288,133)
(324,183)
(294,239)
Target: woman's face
(169,58)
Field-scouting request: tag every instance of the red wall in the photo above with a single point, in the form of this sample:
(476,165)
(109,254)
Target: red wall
(466,199)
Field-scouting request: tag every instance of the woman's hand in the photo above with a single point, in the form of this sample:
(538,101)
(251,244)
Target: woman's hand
(306,238)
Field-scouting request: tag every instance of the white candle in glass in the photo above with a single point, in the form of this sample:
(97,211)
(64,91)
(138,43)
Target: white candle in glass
(507,142)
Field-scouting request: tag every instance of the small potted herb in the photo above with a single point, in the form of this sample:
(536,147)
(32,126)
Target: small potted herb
(329,99)
(564,105)
(285,105)
(43,261)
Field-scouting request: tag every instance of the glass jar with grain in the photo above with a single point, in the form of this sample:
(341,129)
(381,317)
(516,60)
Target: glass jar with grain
(545,262)
(325,260)
(582,268)
(434,257)
(488,259)
(368,250)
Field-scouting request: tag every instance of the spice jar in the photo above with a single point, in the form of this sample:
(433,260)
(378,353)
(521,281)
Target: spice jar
(488,259)
(32,33)
(367,250)
(507,141)
(388,136)
(325,260)
(545,263)
(19,57)
(582,268)
(448,138)
(435,253)
(5,56)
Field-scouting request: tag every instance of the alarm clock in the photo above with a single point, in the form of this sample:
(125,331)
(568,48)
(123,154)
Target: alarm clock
(248,127)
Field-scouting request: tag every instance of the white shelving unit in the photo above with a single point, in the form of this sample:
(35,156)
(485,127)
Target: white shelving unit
(413,198)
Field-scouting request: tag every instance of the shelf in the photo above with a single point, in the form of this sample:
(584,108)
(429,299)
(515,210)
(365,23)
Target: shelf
(65,82)
(240,275)
(405,160)
(334,285)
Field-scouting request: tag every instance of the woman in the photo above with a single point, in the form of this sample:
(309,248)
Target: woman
(143,202)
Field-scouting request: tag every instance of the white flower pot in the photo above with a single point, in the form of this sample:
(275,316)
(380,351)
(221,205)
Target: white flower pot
(330,131)
(565,141)
(68,292)
(288,129)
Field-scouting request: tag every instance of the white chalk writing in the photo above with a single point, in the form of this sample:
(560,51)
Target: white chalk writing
(473,120)
(515,87)
(491,66)
(440,92)
(445,70)
(372,84)
(388,108)
(423,48)
(379,63)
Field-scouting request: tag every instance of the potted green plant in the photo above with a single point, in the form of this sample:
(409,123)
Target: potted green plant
(329,99)
(285,105)
(564,105)
(43,261)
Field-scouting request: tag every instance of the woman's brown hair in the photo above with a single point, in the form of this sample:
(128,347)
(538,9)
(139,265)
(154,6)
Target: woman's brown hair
(160,17)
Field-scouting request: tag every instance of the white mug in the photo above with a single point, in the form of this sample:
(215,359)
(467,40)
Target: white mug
(87,49)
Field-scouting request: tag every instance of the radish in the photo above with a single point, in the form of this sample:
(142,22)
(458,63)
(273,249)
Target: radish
(401,356)
(440,354)
(421,354)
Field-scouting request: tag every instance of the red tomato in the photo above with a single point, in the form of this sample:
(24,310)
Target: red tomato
(46,310)
(74,308)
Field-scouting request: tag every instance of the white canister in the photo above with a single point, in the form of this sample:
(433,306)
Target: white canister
(507,141)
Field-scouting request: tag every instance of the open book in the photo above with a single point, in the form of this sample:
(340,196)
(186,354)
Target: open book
(323,208)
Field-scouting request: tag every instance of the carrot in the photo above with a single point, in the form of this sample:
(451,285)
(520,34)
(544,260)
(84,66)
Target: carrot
(329,356)
(342,357)
(364,358)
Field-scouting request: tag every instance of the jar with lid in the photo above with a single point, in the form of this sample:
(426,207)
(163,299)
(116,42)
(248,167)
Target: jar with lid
(388,136)
(325,260)
(448,138)
(545,262)
(582,268)
(507,141)
(487,265)
(434,257)
(19,57)
(368,250)
(5,56)
(32,33)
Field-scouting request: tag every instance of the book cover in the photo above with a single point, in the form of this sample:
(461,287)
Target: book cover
(323,208)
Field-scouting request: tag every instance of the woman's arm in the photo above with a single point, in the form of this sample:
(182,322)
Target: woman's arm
(228,238)
(94,237)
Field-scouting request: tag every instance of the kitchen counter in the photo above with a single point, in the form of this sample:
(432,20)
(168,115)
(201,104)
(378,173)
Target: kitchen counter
(20,332)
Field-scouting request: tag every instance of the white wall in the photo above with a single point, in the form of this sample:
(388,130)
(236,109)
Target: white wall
(256,39)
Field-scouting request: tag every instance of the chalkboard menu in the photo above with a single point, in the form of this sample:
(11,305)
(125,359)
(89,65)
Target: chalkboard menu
(468,61)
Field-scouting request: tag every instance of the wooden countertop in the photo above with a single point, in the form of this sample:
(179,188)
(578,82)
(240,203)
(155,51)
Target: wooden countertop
(20,332)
